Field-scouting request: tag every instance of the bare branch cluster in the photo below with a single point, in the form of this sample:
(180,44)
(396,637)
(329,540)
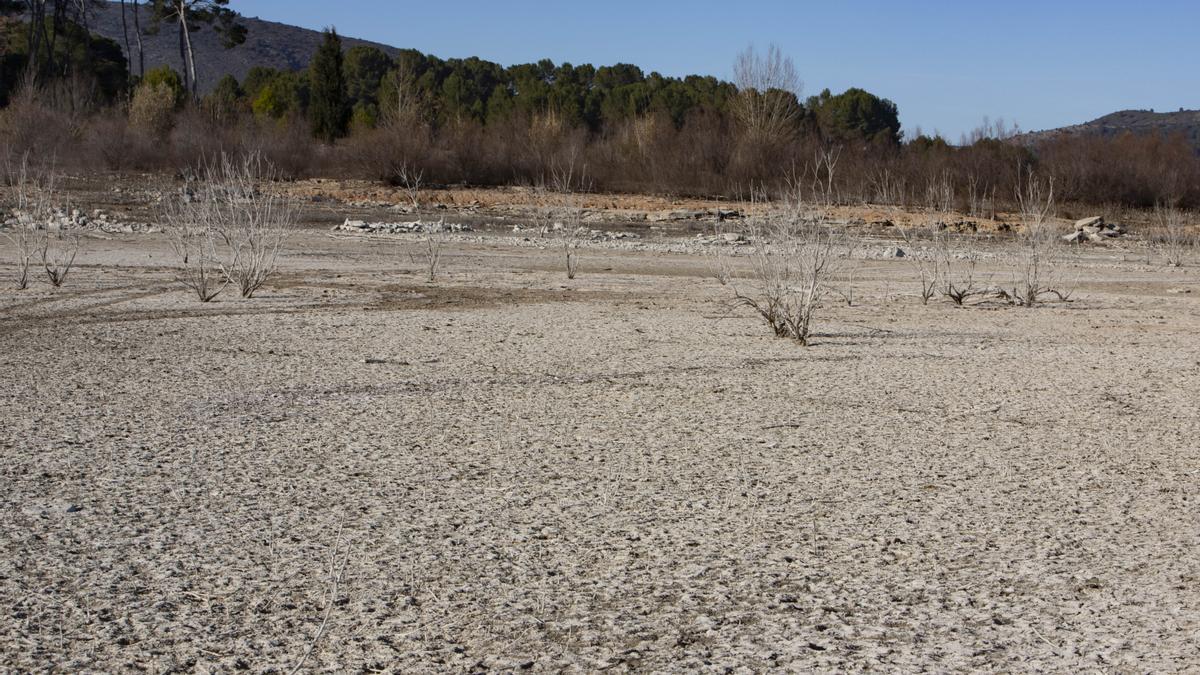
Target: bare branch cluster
(563,209)
(768,88)
(1035,268)
(227,230)
(1171,236)
(795,258)
(36,238)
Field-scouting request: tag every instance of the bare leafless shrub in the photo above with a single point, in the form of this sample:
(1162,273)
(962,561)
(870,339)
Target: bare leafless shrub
(229,230)
(195,235)
(926,263)
(939,193)
(58,252)
(435,238)
(410,178)
(824,172)
(32,213)
(39,232)
(958,263)
(1171,237)
(30,124)
(887,187)
(1037,258)
(794,259)
(566,179)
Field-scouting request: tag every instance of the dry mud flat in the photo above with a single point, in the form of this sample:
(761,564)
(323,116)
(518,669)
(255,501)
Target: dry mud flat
(506,471)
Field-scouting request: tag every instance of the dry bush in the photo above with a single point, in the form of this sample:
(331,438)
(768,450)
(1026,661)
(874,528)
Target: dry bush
(199,134)
(927,264)
(958,265)
(435,238)
(32,211)
(230,231)
(152,109)
(410,179)
(795,258)
(196,239)
(285,146)
(37,236)
(58,252)
(1039,253)
(30,124)
(113,142)
(568,226)
(1171,236)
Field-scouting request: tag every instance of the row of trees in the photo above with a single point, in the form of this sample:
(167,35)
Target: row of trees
(468,120)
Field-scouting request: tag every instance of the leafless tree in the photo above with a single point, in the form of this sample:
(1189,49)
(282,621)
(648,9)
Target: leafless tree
(231,228)
(1038,250)
(37,235)
(928,264)
(566,180)
(1171,236)
(197,240)
(824,170)
(409,178)
(795,257)
(939,193)
(768,89)
(32,213)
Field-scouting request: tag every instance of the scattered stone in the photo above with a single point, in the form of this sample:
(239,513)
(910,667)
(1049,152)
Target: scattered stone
(62,220)
(408,227)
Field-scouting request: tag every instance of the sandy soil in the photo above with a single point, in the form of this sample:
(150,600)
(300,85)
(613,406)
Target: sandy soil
(505,470)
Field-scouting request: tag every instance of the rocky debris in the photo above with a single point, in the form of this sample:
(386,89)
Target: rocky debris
(1093,229)
(589,235)
(65,220)
(605,235)
(408,227)
(723,238)
(693,214)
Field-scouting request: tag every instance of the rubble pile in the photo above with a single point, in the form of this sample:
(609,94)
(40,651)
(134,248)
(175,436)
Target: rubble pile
(1094,229)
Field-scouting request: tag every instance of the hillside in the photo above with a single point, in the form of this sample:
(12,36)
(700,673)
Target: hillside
(268,43)
(1186,122)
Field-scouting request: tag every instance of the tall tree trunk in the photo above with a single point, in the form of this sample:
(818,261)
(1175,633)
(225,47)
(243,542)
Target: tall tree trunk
(187,40)
(125,32)
(37,28)
(137,31)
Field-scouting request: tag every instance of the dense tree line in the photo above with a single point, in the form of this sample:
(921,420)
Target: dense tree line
(362,111)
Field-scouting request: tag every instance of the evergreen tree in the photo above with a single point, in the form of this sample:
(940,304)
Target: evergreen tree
(327,108)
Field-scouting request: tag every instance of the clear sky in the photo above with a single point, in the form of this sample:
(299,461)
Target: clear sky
(946,63)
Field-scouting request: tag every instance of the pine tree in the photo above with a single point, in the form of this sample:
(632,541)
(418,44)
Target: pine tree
(328,109)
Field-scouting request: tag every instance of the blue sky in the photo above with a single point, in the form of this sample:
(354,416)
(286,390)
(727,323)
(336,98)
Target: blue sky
(945,63)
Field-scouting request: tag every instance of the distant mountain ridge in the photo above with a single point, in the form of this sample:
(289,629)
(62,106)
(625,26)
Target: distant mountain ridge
(268,43)
(1185,122)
